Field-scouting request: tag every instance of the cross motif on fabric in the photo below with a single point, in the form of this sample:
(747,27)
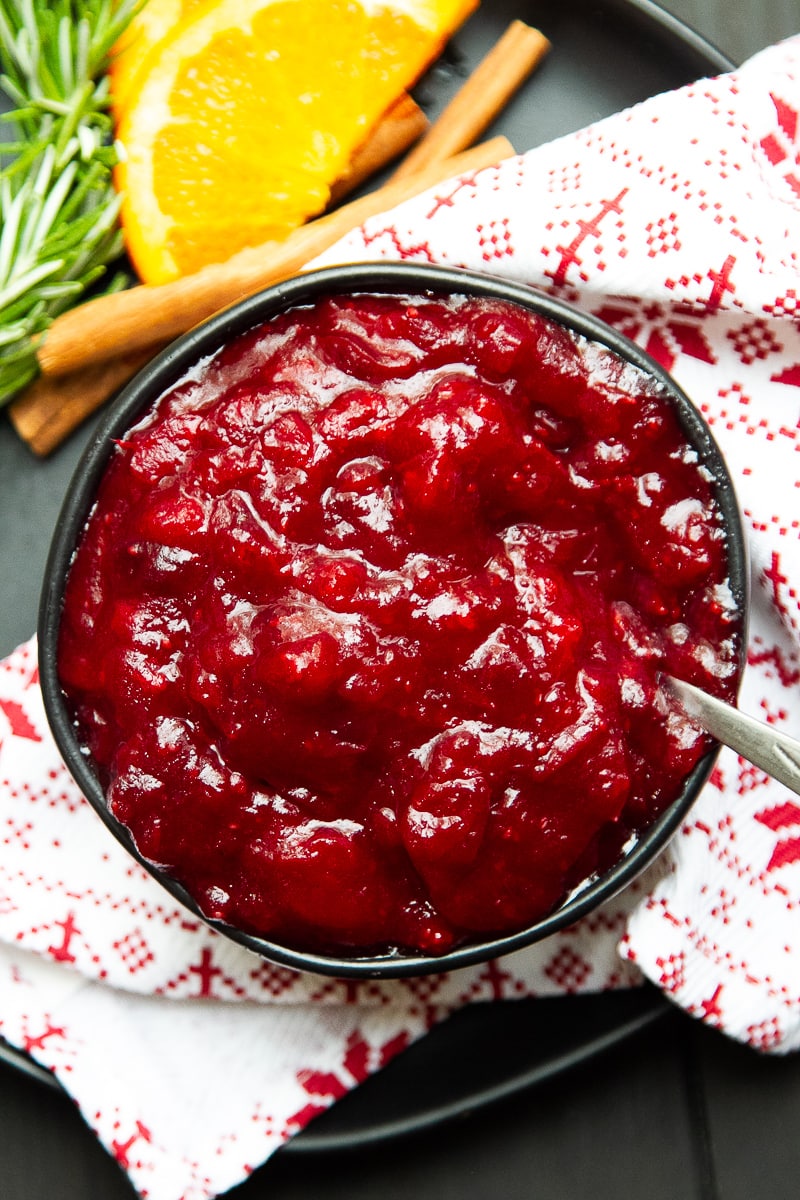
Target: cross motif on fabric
(62,952)
(586,229)
(122,1150)
(206,972)
(37,1042)
(721,283)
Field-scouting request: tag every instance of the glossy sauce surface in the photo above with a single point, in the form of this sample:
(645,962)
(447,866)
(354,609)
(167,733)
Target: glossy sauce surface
(363,631)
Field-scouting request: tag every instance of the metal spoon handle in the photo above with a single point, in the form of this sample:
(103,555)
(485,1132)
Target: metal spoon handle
(761,745)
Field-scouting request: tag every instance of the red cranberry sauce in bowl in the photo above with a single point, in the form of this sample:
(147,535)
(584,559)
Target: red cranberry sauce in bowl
(362,635)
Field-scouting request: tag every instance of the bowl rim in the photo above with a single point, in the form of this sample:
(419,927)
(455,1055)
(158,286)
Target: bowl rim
(162,373)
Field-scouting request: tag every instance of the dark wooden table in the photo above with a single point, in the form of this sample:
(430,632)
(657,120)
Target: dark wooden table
(676,1112)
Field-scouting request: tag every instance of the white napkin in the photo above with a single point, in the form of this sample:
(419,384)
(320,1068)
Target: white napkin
(688,242)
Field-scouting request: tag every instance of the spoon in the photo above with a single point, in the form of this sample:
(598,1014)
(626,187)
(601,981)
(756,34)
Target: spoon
(760,744)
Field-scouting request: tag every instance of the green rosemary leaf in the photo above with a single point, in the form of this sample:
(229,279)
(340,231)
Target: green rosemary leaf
(58,207)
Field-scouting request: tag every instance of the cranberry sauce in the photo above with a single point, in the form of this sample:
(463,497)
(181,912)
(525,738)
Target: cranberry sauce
(364,630)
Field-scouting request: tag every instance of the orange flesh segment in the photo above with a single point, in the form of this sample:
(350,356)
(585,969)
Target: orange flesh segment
(241,119)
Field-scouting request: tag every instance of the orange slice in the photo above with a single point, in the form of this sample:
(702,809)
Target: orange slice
(240,119)
(151,24)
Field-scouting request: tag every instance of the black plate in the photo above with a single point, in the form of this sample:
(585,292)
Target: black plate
(605,56)
(469,1061)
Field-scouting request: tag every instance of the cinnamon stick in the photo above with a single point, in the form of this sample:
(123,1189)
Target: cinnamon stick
(483,96)
(50,409)
(400,126)
(124,322)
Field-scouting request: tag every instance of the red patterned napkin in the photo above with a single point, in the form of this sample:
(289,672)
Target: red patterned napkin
(687,242)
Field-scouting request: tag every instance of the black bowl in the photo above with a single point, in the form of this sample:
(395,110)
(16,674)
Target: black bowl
(203,341)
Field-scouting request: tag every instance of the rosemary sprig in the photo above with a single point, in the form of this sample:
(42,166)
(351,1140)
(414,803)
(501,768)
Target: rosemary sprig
(58,206)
